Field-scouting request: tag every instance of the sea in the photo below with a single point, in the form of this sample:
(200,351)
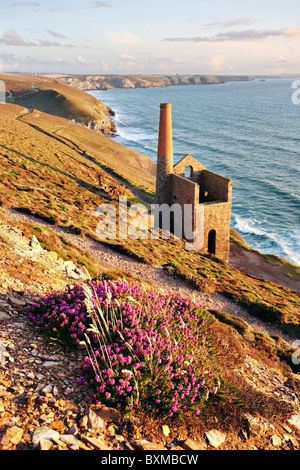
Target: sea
(248,131)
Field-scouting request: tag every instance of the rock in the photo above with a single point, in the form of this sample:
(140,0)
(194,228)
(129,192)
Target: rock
(97,444)
(47,389)
(17,303)
(215,438)
(50,364)
(95,422)
(275,440)
(107,413)
(35,244)
(45,444)
(255,426)
(189,444)
(295,420)
(4,307)
(147,445)
(11,437)
(43,433)
(57,425)
(4,316)
(70,441)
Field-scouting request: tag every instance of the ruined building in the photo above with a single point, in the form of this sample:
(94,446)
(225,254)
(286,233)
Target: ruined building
(189,182)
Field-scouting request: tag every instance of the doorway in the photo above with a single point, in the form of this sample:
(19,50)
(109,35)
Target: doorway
(212,242)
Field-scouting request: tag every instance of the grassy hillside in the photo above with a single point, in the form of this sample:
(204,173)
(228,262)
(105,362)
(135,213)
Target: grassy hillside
(56,98)
(56,171)
(61,172)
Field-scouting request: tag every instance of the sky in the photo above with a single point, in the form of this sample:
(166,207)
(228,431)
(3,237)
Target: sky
(232,37)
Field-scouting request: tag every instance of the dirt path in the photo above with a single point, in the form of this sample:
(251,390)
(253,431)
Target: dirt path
(156,276)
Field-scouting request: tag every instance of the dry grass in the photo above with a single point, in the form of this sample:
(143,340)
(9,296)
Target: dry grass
(56,98)
(55,171)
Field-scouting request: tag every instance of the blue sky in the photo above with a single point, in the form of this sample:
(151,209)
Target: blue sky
(150,37)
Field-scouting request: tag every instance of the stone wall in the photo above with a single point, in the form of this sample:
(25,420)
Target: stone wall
(214,187)
(217,217)
(189,161)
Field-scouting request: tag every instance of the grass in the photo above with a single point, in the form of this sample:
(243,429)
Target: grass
(54,97)
(54,171)
(261,298)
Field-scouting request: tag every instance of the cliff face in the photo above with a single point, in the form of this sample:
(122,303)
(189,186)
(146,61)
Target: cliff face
(107,82)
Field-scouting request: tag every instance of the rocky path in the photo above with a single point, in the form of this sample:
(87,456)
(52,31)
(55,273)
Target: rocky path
(156,276)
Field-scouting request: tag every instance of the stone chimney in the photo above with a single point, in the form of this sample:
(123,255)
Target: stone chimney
(164,153)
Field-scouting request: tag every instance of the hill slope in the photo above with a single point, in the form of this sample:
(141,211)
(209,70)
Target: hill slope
(56,98)
(53,176)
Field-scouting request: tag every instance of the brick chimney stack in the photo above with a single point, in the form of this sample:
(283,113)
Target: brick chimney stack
(164,152)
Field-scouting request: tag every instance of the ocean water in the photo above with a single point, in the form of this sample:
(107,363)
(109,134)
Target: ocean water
(246,131)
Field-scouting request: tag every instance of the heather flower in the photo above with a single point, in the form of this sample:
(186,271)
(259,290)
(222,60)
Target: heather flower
(141,345)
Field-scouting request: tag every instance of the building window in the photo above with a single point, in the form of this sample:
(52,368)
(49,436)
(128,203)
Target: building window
(188,172)
(212,242)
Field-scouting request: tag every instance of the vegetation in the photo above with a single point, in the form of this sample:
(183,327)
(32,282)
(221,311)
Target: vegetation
(55,171)
(145,350)
(54,97)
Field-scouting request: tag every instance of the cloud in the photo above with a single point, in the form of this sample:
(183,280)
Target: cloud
(56,35)
(246,35)
(28,4)
(215,62)
(236,22)
(12,38)
(100,5)
(78,60)
(122,37)
(8,61)
(81,60)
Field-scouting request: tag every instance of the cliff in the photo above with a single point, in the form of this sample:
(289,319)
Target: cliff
(108,82)
(56,98)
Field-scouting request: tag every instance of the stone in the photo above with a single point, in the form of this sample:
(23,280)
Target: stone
(47,389)
(45,444)
(35,244)
(147,445)
(44,433)
(215,438)
(295,420)
(275,440)
(73,429)
(97,444)
(95,422)
(57,425)
(4,307)
(70,440)
(11,437)
(107,413)
(17,303)
(255,425)
(50,364)
(4,316)
(189,444)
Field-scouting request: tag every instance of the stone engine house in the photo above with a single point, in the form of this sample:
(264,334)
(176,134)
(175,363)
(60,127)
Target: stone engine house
(189,182)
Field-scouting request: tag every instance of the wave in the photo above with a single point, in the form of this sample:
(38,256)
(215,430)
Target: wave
(285,243)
